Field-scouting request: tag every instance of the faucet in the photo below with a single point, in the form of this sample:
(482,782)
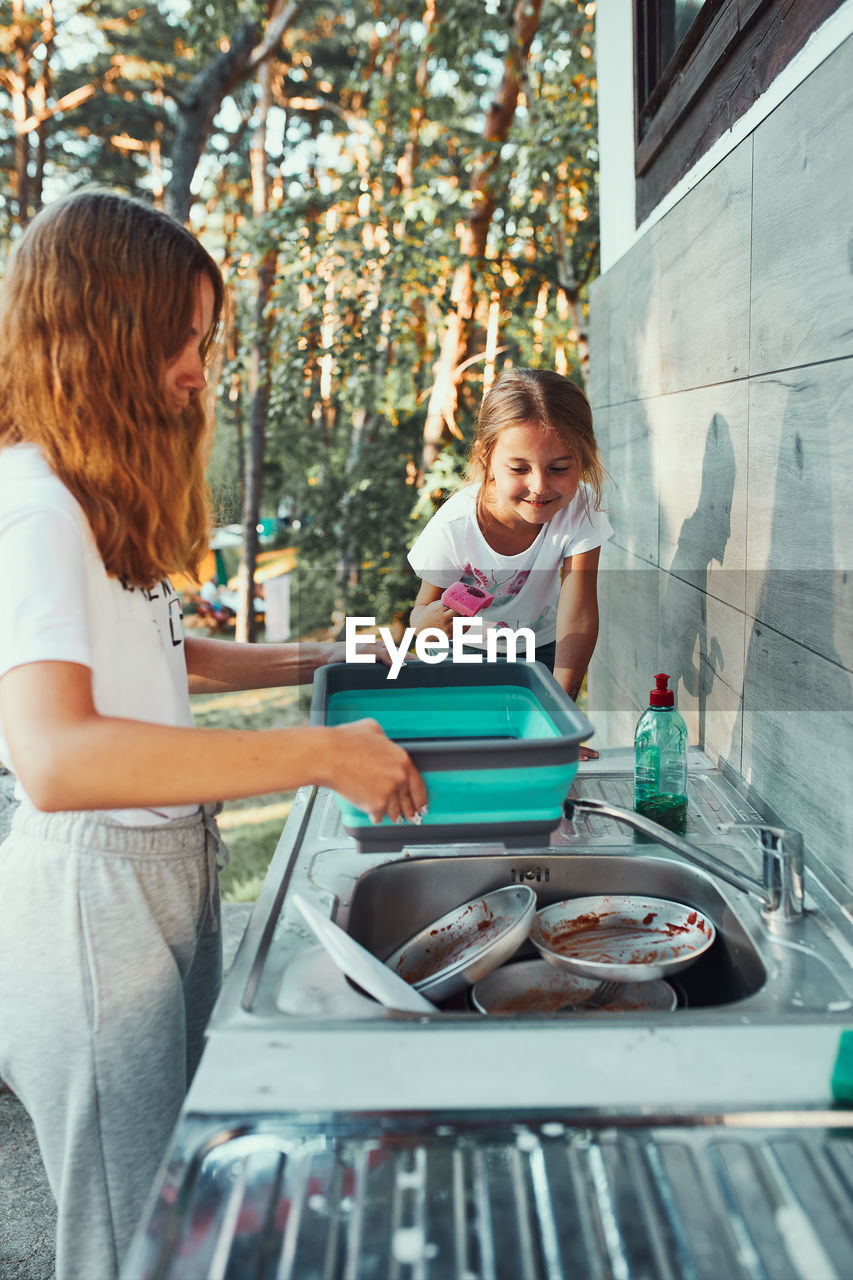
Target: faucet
(780,889)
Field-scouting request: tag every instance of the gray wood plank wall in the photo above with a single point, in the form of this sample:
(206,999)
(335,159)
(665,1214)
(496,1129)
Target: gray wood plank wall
(722,387)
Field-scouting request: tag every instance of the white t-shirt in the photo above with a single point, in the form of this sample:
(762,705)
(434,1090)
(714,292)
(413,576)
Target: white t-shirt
(526,587)
(58,603)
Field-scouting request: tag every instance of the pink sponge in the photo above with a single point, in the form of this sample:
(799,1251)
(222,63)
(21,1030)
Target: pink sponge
(464,599)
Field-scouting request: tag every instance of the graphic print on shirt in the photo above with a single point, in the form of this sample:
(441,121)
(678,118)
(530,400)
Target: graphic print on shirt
(174,613)
(176,621)
(504,590)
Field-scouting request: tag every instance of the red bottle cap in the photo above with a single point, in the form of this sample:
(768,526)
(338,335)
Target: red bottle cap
(662,696)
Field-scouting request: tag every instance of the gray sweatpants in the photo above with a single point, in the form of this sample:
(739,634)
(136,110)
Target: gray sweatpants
(110,962)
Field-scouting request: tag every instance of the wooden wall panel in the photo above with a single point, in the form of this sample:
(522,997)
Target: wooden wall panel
(802,251)
(627,649)
(629,456)
(701,647)
(800,547)
(704,288)
(634,333)
(701,449)
(707,457)
(699,110)
(798,742)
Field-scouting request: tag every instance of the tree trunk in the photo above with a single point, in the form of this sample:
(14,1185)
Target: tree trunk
(441,414)
(19,92)
(246,53)
(259,385)
(568,286)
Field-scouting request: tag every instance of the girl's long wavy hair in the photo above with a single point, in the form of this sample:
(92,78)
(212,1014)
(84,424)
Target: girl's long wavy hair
(547,400)
(97,298)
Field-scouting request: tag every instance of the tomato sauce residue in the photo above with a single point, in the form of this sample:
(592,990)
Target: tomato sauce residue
(537,1001)
(611,938)
(543,1000)
(444,947)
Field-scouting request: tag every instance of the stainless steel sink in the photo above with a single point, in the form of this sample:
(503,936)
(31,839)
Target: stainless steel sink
(757,971)
(391,902)
(323,1133)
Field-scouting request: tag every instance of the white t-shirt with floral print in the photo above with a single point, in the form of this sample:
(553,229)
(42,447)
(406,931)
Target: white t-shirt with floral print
(526,587)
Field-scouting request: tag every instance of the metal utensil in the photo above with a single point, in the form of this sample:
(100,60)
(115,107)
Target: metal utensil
(621,938)
(604,993)
(465,944)
(363,967)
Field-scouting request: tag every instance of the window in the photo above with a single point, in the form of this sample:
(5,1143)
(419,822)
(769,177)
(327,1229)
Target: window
(661,27)
(699,65)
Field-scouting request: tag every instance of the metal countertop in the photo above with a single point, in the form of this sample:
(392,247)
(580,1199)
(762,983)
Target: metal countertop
(693,1146)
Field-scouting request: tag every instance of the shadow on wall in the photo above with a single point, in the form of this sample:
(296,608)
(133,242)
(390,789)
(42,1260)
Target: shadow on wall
(690,655)
(796,721)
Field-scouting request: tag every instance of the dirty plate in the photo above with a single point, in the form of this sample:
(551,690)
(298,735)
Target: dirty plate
(360,965)
(466,943)
(534,986)
(623,938)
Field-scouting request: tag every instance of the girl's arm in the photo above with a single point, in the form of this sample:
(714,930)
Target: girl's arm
(577,624)
(428,611)
(223,666)
(68,756)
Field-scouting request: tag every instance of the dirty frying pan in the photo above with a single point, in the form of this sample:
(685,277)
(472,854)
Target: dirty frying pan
(465,944)
(621,938)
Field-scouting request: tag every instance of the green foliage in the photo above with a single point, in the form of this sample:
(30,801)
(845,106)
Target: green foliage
(365,263)
(445,475)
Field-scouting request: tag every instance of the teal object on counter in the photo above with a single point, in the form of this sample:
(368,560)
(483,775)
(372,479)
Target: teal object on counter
(497,743)
(407,715)
(842,1071)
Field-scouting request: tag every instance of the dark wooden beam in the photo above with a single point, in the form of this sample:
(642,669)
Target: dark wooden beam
(731,60)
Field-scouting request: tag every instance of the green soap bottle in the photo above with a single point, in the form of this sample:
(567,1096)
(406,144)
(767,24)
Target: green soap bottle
(660,760)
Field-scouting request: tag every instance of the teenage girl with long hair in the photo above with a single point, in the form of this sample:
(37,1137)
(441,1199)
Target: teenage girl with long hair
(528,527)
(110,952)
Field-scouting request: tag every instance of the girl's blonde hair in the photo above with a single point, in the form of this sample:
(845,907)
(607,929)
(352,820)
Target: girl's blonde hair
(544,399)
(97,298)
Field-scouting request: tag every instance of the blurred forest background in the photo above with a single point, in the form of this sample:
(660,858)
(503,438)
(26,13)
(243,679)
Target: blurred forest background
(403,197)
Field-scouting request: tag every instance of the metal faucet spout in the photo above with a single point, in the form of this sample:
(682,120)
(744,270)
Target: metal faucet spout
(780,891)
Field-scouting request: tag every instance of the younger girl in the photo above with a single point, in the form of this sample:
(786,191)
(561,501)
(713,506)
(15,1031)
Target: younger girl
(110,955)
(529,528)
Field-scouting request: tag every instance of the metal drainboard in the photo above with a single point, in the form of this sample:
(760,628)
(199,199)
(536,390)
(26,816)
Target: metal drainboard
(707,806)
(516,1202)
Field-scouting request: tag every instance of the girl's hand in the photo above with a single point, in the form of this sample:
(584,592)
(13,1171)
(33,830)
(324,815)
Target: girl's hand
(373,773)
(435,615)
(587,753)
(428,611)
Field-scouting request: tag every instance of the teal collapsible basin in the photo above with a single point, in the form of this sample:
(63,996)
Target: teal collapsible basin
(497,743)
